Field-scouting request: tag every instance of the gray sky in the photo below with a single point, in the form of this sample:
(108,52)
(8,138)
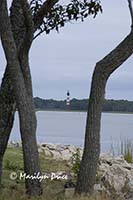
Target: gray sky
(66,60)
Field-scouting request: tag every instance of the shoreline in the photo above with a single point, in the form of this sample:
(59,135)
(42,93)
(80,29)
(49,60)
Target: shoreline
(82,111)
(114,174)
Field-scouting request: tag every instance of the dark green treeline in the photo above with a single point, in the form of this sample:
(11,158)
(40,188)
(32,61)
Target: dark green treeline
(81,104)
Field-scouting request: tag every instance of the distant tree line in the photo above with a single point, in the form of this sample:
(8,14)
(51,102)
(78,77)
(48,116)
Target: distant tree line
(82,104)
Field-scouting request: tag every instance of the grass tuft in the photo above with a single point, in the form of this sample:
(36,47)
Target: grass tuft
(126,149)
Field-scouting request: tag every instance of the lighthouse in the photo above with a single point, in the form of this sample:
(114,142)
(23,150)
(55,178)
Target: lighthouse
(68,98)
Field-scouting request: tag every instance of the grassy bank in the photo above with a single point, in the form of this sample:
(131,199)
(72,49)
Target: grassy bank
(53,190)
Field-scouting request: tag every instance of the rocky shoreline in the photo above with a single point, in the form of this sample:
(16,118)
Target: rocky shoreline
(115,175)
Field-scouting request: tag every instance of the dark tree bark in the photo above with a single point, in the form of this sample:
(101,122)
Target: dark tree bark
(24,100)
(7,110)
(7,99)
(22,36)
(103,70)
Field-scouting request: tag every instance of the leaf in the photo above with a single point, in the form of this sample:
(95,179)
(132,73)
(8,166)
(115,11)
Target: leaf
(47,31)
(57,29)
(85,15)
(62,23)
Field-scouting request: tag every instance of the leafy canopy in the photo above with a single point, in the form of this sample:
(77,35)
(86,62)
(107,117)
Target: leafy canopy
(60,14)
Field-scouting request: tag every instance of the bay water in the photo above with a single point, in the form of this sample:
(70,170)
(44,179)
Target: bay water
(69,128)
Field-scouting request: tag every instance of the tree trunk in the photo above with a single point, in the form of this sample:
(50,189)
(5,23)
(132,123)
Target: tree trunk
(28,130)
(7,110)
(7,99)
(103,70)
(25,104)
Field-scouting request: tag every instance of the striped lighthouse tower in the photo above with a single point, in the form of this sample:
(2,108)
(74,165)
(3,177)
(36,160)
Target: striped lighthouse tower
(68,99)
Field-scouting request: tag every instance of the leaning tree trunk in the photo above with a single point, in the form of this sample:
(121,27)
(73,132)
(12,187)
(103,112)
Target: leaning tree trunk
(103,70)
(7,99)
(25,104)
(19,17)
(28,130)
(7,110)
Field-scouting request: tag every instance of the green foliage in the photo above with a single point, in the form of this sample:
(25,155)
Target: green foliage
(76,162)
(126,149)
(82,105)
(51,165)
(10,165)
(118,105)
(13,159)
(35,5)
(61,14)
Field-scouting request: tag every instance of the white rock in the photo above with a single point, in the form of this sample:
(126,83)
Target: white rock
(47,153)
(15,144)
(122,162)
(71,148)
(115,178)
(103,167)
(40,150)
(66,155)
(106,158)
(98,187)
(59,148)
(48,146)
(130,184)
(56,155)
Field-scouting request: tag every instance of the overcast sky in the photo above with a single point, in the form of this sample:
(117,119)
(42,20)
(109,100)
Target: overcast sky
(65,61)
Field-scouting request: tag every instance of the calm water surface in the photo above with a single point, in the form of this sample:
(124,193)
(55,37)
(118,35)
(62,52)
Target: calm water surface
(69,128)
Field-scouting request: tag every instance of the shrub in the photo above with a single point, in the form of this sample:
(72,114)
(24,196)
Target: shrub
(76,162)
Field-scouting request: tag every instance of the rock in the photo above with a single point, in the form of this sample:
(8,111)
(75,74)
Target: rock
(69,192)
(40,150)
(56,155)
(103,167)
(14,144)
(122,162)
(49,146)
(66,155)
(116,175)
(115,178)
(58,151)
(106,158)
(99,187)
(71,148)
(47,153)
(130,183)
(60,148)
(128,196)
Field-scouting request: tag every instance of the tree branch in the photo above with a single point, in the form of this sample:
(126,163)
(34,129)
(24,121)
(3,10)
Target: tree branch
(22,23)
(131,12)
(59,14)
(43,11)
(28,23)
(22,28)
